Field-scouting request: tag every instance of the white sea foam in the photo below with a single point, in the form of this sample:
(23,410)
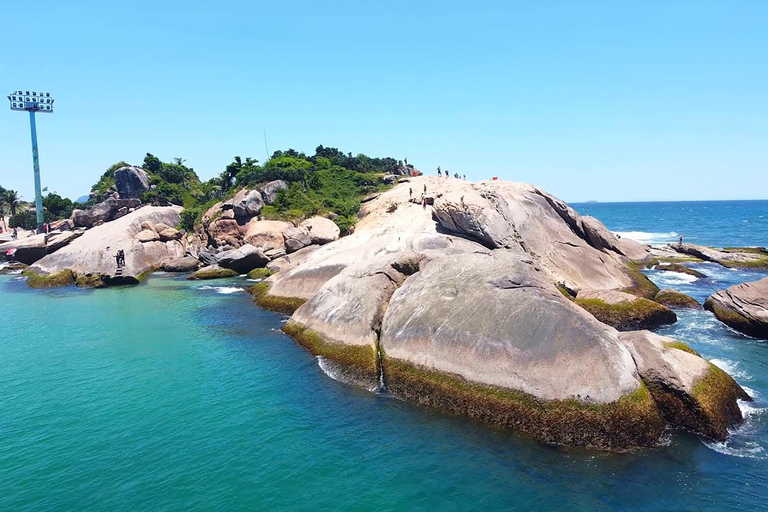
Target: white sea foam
(648,238)
(732,368)
(669,279)
(333,370)
(749,449)
(226,290)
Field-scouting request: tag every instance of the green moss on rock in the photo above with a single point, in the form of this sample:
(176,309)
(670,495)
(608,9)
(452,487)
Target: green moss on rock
(641,285)
(713,392)
(212,273)
(90,281)
(675,299)
(285,305)
(679,345)
(629,316)
(259,273)
(630,422)
(359,361)
(39,280)
(733,319)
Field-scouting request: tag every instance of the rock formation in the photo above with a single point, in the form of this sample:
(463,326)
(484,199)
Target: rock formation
(743,257)
(92,255)
(467,306)
(743,307)
(131,182)
(105,211)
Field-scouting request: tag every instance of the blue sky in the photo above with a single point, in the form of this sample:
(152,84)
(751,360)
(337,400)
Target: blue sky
(603,100)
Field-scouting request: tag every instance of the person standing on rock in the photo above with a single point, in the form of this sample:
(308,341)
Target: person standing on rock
(15,234)
(406,161)
(410,193)
(681,239)
(465,177)
(439,173)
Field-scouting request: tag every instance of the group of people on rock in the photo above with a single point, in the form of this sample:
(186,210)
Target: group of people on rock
(120,258)
(448,175)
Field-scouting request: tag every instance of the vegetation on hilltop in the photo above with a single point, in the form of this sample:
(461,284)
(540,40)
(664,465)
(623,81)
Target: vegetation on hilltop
(329,181)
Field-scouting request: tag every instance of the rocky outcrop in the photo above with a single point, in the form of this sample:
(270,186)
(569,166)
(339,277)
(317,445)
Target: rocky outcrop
(736,257)
(33,248)
(93,253)
(743,307)
(131,182)
(675,299)
(28,250)
(268,236)
(106,211)
(690,392)
(623,311)
(270,190)
(458,306)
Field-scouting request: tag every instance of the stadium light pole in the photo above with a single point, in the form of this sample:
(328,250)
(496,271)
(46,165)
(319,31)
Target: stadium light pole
(35,102)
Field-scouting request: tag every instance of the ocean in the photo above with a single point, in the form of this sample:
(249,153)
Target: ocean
(179,395)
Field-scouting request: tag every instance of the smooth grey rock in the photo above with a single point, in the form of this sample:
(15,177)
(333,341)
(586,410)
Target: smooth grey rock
(244,259)
(247,203)
(103,212)
(28,250)
(185,264)
(270,190)
(147,236)
(743,307)
(321,230)
(295,239)
(131,182)
(170,234)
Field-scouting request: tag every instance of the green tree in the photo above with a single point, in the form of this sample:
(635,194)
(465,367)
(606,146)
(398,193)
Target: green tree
(152,163)
(57,207)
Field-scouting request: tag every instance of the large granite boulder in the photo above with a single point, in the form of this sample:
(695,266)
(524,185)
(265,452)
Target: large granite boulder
(270,190)
(93,253)
(267,235)
(131,182)
(743,307)
(321,230)
(185,264)
(105,211)
(295,239)
(243,259)
(247,203)
(459,307)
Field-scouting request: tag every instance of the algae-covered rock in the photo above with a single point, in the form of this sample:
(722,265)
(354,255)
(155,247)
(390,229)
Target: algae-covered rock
(213,272)
(90,281)
(278,304)
(12,268)
(259,273)
(623,311)
(675,299)
(743,307)
(682,269)
(691,392)
(36,279)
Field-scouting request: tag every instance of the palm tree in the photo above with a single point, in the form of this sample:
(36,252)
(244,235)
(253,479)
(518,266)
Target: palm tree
(12,199)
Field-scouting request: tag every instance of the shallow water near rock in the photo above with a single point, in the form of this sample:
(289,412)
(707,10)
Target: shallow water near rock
(179,395)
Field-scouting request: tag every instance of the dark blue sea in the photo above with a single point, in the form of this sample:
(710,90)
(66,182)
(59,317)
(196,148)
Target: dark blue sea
(177,395)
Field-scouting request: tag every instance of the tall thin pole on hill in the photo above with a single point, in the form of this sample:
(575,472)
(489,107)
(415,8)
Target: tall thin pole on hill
(35,102)
(265,143)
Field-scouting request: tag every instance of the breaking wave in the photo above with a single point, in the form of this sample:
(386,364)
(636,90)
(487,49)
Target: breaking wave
(648,238)
(226,290)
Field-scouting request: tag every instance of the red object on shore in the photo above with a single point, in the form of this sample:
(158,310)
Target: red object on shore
(495,178)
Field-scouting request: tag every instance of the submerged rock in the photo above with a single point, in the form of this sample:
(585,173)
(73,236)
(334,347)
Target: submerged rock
(681,269)
(743,307)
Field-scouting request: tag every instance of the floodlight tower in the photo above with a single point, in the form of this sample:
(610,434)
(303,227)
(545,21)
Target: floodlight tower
(35,102)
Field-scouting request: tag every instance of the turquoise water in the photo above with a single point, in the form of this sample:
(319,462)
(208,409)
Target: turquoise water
(185,396)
